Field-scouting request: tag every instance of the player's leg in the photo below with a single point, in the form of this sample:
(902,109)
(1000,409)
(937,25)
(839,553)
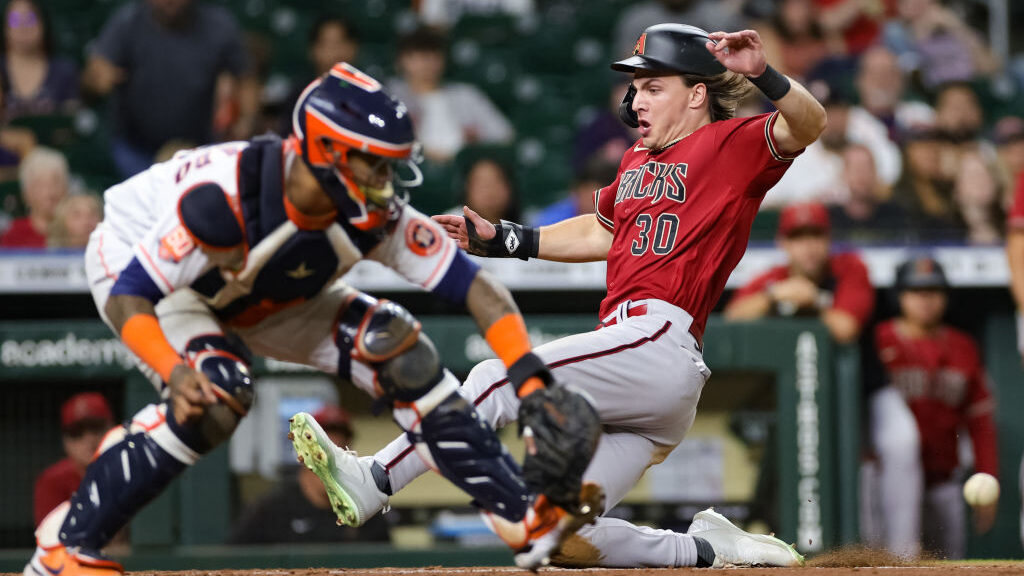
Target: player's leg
(137,460)
(896,440)
(945,520)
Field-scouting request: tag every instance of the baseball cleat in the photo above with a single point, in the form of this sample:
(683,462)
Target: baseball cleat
(734,547)
(346,477)
(61,561)
(540,535)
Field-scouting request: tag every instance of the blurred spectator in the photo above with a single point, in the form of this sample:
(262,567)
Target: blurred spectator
(447,116)
(597,174)
(817,173)
(925,190)
(711,15)
(76,216)
(866,216)
(489,189)
(298,511)
(937,44)
(880,88)
(813,282)
(171,64)
(934,385)
(856,23)
(84,419)
(445,13)
(44,183)
(958,114)
(793,38)
(1009,139)
(332,39)
(978,197)
(34,80)
(604,136)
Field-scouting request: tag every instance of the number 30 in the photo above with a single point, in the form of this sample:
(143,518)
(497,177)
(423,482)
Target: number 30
(664,234)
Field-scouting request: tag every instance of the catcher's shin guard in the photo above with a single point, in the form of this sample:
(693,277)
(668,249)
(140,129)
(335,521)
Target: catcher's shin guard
(453,440)
(131,469)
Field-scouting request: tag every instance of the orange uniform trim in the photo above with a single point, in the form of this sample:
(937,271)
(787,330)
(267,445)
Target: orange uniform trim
(143,336)
(508,338)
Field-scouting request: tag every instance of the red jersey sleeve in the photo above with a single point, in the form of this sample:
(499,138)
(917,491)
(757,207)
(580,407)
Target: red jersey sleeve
(749,157)
(854,293)
(978,410)
(604,203)
(1016,217)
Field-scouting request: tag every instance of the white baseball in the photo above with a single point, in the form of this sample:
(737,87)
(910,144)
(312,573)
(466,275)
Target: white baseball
(981,489)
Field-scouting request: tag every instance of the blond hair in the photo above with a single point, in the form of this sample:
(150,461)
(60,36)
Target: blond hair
(57,235)
(725,91)
(39,161)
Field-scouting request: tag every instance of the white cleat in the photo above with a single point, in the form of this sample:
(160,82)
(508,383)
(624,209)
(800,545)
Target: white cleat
(734,547)
(346,477)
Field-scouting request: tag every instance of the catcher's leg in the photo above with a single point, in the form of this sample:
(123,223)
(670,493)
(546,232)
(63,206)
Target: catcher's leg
(137,460)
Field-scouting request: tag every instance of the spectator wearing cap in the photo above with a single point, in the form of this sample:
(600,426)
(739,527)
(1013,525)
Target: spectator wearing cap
(932,386)
(298,510)
(816,175)
(866,216)
(84,419)
(813,282)
(447,116)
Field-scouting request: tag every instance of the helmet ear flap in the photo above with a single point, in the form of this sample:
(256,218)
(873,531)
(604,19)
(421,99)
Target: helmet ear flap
(626,112)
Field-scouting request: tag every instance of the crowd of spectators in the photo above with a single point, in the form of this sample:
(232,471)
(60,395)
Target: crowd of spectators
(925,141)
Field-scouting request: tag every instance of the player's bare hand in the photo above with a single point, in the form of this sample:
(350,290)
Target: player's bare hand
(796,291)
(191,392)
(470,231)
(741,52)
(984,517)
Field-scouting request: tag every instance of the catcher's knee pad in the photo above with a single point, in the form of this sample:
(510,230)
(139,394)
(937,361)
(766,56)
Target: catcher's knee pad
(221,362)
(387,336)
(466,451)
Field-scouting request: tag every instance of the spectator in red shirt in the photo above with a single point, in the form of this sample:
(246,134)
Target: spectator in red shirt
(84,419)
(934,386)
(44,183)
(813,282)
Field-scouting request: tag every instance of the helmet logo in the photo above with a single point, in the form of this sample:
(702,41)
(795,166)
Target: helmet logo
(924,266)
(640,44)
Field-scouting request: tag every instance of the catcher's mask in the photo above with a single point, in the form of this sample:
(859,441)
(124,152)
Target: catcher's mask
(346,111)
(673,48)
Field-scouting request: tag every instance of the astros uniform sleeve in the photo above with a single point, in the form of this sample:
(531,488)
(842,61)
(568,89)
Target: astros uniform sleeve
(749,157)
(422,253)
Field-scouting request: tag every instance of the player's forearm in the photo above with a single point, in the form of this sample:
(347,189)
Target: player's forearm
(579,239)
(488,301)
(1015,260)
(134,319)
(802,119)
(844,328)
(749,307)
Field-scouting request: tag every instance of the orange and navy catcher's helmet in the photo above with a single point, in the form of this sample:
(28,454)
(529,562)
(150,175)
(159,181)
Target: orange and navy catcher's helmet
(346,110)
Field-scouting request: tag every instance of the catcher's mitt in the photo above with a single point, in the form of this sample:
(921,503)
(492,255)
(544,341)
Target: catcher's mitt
(560,429)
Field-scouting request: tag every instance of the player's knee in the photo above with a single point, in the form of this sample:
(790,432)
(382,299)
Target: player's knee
(410,375)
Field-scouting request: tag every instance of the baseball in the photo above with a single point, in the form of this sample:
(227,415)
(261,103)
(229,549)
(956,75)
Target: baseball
(981,489)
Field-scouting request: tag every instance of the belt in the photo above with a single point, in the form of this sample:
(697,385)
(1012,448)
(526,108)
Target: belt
(633,310)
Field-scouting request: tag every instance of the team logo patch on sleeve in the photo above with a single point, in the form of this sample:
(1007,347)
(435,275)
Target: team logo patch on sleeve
(176,245)
(421,238)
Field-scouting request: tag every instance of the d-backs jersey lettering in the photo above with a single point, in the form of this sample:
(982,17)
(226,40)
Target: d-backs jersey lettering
(681,216)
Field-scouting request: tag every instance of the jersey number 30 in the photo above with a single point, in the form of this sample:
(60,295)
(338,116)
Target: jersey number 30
(664,234)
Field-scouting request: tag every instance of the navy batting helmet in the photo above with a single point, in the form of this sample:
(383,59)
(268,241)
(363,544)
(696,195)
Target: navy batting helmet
(921,273)
(346,110)
(675,48)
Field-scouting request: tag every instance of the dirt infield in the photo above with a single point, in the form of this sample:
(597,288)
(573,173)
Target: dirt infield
(932,569)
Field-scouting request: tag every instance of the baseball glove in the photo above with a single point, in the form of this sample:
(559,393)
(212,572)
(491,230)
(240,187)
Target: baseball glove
(560,429)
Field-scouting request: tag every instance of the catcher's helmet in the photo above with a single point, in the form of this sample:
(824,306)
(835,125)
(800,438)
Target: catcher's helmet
(921,273)
(678,48)
(346,110)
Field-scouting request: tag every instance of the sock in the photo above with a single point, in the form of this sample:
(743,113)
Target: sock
(380,478)
(705,553)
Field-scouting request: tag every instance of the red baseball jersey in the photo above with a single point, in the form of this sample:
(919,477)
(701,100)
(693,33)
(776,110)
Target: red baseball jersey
(53,486)
(681,216)
(1015,219)
(943,381)
(847,280)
